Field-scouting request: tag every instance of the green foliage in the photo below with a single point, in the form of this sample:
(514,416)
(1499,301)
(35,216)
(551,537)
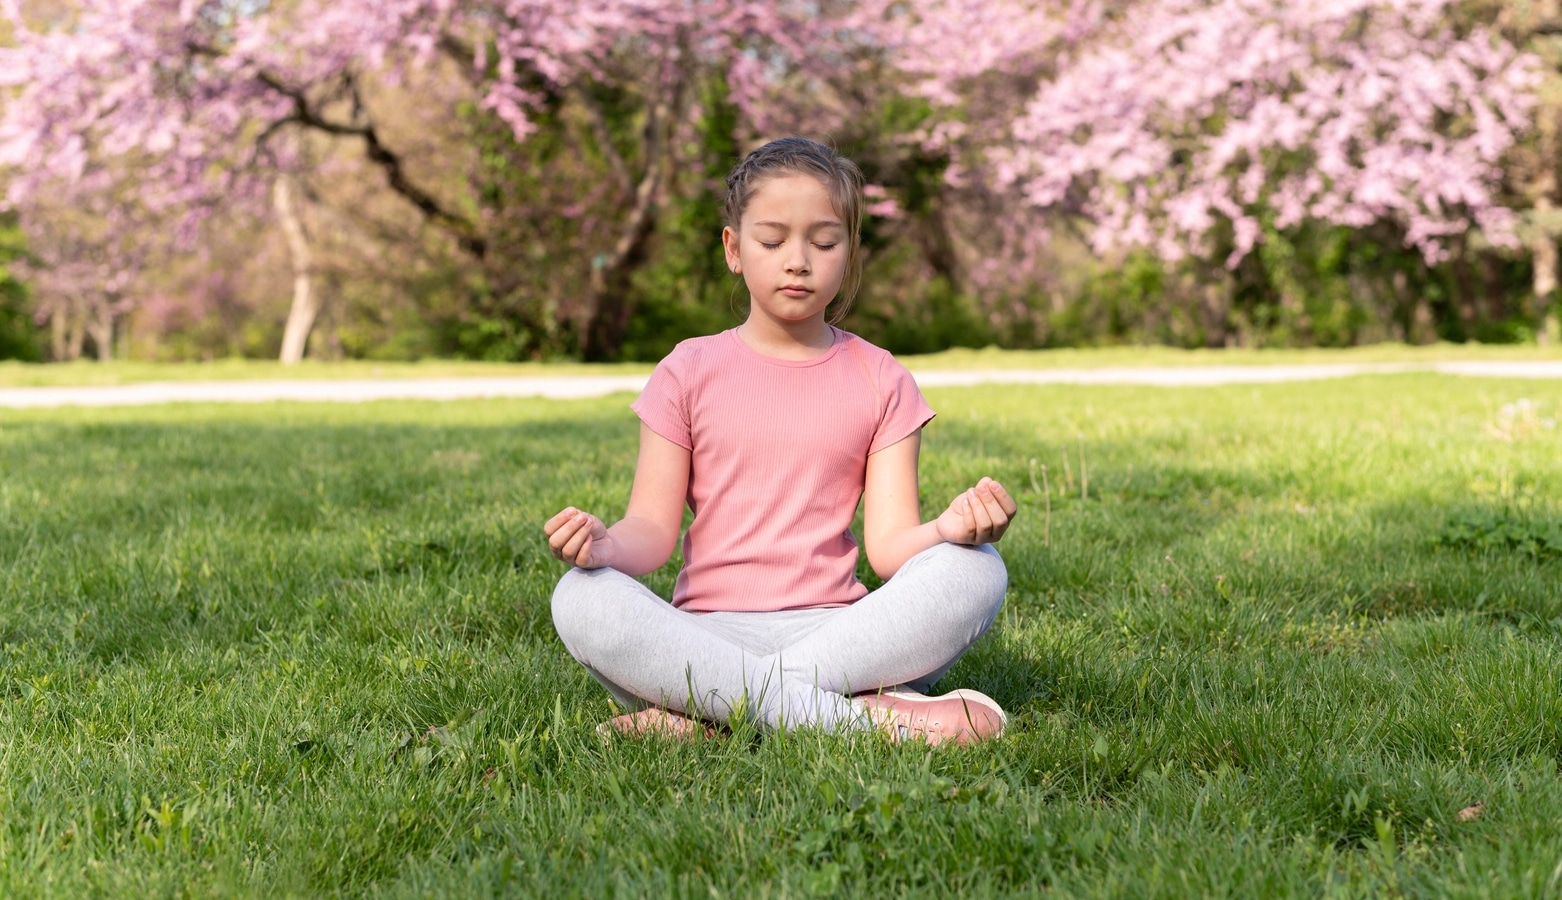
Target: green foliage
(925,317)
(1503,530)
(685,289)
(534,197)
(301,649)
(1309,286)
(1116,304)
(1305,294)
(910,300)
(18,336)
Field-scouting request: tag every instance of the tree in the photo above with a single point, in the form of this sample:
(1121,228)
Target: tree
(1533,182)
(16,329)
(1186,126)
(86,251)
(209,99)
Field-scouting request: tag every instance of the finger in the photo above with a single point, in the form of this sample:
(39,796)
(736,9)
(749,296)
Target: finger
(968,516)
(984,521)
(561,536)
(583,555)
(559,518)
(576,529)
(571,548)
(995,510)
(1005,499)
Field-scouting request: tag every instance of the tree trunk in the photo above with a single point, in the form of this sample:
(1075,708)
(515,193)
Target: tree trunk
(1464,282)
(1543,247)
(59,341)
(101,326)
(1215,309)
(1423,326)
(937,245)
(609,309)
(76,339)
(610,306)
(301,315)
(1494,287)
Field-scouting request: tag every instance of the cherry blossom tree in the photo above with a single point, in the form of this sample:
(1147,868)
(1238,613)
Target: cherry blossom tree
(84,263)
(1172,122)
(1532,167)
(208,100)
(1183,126)
(1191,128)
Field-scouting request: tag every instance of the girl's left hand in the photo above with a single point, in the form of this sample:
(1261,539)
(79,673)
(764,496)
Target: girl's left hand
(979,516)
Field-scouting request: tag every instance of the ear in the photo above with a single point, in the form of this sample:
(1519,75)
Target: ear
(729,244)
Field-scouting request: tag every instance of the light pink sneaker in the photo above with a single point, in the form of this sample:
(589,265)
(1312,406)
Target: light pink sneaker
(963,717)
(654,722)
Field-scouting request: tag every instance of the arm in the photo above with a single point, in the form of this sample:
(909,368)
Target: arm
(643,540)
(893,530)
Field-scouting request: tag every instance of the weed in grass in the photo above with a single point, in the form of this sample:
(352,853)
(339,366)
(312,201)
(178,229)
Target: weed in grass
(1503,530)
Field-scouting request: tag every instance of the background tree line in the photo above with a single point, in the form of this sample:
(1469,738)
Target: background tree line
(518,179)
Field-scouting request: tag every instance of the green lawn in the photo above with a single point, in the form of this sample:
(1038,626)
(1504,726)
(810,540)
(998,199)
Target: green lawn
(1283,638)
(14,374)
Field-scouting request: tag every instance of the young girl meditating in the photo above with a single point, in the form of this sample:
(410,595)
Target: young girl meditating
(771,433)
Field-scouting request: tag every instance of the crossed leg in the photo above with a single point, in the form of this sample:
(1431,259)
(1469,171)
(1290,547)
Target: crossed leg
(787,669)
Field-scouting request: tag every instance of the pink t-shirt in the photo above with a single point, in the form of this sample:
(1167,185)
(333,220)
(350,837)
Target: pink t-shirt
(780,449)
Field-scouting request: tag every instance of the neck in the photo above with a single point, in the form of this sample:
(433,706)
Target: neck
(787,340)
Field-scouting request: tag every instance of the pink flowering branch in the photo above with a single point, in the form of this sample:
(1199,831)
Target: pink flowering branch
(1181,117)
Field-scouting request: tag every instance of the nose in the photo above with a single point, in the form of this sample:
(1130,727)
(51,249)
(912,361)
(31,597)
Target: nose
(797,261)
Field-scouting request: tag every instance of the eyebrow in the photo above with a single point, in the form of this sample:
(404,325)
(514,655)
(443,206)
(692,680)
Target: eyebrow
(822,223)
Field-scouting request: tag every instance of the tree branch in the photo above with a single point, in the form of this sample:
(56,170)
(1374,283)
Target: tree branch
(462,54)
(465,233)
(604,139)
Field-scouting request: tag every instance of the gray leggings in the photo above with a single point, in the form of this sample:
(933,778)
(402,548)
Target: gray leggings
(786,669)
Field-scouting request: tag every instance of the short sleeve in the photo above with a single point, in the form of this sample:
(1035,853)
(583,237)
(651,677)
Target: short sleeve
(662,405)
(905,410)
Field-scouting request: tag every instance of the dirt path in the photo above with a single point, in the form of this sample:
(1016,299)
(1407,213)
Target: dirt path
(357,391)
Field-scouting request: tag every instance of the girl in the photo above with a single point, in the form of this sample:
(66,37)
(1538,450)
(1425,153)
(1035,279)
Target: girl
(771,433)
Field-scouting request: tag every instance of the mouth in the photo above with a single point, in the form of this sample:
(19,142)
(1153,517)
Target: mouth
(795,290)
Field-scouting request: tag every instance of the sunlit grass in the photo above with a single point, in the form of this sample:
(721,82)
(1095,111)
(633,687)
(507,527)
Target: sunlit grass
(298,649)
(1144,357)
(86,373)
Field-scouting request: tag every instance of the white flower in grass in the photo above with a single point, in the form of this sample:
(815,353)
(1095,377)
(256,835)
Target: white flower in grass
(1518,420)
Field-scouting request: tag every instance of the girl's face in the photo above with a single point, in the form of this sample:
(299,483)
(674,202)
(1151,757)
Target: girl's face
(791,249)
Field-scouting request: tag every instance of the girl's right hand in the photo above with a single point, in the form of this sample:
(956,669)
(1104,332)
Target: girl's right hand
(578,538)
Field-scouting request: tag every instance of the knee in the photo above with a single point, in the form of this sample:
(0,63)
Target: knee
(979,570)
(579,602)
(964,585)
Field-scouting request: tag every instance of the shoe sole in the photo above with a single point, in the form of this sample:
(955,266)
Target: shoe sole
(971,698)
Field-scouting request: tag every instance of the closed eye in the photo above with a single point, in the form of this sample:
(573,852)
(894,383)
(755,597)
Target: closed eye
(770,246)
(825,246)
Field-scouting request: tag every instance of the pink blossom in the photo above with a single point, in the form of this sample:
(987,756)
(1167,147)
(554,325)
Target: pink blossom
(1183,112)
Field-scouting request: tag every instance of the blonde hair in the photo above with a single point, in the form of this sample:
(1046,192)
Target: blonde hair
(840,176)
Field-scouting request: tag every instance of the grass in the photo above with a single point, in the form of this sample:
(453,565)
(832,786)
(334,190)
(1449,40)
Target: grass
(1171,357)
(1287,635)
(87,373)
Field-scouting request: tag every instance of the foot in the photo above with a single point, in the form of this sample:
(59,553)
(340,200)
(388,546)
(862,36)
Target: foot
(961,717)
(656,722)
